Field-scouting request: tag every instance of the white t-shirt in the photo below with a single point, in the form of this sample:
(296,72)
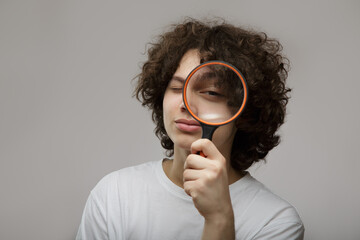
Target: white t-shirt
(142,203)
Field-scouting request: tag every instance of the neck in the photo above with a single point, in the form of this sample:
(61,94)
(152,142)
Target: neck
(174,169)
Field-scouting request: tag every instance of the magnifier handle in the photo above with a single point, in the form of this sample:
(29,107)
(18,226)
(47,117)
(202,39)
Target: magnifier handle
(207,132)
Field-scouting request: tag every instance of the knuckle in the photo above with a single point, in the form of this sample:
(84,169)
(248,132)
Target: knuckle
(207,143)
(209,175)
(186,187)
(216,170)
(215,166)
(194,144)
(186,173)
(221,163)
(189,160)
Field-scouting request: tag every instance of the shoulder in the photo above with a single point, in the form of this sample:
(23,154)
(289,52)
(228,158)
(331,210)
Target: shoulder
(109,199)
(258,198)
(264,212)
(270,203)
(124,178)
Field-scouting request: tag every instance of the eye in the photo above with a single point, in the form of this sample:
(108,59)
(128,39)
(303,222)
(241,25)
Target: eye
(176,84)
(213,93)
(176,89)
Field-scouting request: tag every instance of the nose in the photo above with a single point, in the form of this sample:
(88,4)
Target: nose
(182,106)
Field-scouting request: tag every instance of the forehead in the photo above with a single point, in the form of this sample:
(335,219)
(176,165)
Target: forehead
(188,62)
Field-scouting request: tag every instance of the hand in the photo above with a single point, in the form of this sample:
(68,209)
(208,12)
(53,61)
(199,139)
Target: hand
(206,181)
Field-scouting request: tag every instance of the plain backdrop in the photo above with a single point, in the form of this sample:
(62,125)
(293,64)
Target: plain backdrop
(67,115)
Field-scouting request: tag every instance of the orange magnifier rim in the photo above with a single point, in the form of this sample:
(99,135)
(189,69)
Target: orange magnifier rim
(238,73)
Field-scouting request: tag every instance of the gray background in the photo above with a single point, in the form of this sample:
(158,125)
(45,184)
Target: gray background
(67,117)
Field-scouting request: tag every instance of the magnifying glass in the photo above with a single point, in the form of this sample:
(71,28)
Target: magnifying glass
(215,94)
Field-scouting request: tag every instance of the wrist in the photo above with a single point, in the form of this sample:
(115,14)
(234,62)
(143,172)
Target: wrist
(219,227)
(220,220)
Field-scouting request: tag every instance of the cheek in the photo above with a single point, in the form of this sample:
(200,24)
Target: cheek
(165,113)
(168,108)
(166,104)
(171,102)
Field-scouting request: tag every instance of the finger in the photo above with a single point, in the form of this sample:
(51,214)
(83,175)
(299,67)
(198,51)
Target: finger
(195,161)
(191,175)
(206,146)
(189,188)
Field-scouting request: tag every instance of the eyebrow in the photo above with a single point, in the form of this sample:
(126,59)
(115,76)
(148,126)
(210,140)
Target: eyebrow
(177,78)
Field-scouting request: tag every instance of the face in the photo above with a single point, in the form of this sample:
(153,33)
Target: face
(182,129)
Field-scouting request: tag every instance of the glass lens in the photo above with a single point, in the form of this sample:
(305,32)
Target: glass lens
(214,93)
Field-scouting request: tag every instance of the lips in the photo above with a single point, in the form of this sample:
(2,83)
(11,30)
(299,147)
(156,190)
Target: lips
(187,125)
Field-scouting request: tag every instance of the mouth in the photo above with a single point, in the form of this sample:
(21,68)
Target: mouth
(187,125)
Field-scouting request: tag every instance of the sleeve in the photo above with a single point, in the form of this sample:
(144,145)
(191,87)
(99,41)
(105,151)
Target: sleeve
(281,231)
(93,222)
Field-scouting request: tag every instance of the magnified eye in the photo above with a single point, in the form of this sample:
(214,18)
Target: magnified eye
(213,93)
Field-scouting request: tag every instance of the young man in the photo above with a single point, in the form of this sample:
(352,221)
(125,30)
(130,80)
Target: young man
(190,196)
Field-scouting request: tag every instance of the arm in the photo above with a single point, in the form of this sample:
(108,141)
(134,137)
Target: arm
(206,181)
(219,229)
(93,222)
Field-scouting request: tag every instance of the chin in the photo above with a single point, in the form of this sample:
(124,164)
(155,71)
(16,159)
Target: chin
(186,147)
(185,142)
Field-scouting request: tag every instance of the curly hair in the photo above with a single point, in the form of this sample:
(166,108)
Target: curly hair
(258,57)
